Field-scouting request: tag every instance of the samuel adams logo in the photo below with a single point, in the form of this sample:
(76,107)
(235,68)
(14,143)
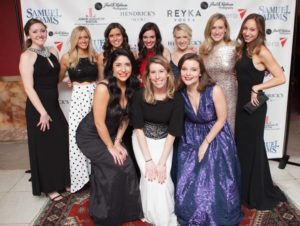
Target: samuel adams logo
(275,12)
(48,16)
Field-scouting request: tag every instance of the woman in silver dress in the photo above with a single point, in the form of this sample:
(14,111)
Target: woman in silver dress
(219,56)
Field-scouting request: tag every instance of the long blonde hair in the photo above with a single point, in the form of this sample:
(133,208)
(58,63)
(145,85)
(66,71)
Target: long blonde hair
(149,93)
(209,43)
(73,52)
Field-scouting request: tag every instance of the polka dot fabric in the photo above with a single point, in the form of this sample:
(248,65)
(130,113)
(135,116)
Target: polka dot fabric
(81,104)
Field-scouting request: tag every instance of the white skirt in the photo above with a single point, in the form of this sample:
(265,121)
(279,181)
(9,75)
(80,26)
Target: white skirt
(81,103)
(157,199)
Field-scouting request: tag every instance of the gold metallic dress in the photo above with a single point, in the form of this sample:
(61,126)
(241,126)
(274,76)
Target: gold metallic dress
(220,65)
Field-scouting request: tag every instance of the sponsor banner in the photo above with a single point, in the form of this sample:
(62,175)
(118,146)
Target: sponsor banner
(62,16)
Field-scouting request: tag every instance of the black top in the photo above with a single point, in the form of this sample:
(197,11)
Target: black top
(85,71)
(169,112)
(45,75)
(247,76)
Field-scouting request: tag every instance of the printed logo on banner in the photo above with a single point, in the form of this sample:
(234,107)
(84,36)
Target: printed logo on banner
(218,4)
(192,43)
(90,18)
(283,41)
(138,15)
(58,33)
(270,125)
(113,5)
(272,44)
(242,12)
(275,12)
(98,43)
(280,31)
(58,45)
(272,146)
(48,16)
(184,15)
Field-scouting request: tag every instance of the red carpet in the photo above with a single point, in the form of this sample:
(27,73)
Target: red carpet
(73,210)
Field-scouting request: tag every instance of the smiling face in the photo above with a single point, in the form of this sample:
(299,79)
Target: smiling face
(190,72)
(218,30)
(158,76)
(182,40)
(83,40)
(38,35)
(122,68)
(250,31)
(149,39)
(115,38)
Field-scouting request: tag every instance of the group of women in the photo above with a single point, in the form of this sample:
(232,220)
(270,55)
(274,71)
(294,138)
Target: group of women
(153,96)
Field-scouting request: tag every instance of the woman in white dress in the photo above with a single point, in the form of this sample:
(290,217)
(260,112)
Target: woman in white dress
(157,118)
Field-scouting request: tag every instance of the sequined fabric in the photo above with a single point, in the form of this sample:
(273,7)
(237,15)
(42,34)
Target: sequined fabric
(207,193)
(155,131)
(220,66)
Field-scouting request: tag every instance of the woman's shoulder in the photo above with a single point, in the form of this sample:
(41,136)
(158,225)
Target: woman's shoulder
(28,56)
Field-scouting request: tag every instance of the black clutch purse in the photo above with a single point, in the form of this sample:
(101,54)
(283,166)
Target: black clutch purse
(261,97)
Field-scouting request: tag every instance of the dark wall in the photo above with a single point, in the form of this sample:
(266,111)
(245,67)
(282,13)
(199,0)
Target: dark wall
(9,38)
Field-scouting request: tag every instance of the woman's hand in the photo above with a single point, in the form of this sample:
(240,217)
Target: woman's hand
(44,122)
(202,150)
(118,156)
(121,149)
(254,93)
(161,173)
(150,171)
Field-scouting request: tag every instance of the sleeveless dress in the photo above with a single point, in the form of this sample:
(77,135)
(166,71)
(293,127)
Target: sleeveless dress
(207,193)
(219,64)
(258,190)
(48,151)
(114,194)
(81,104)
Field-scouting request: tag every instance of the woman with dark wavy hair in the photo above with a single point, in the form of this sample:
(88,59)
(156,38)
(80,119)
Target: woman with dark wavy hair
(150,44)
(115,37)
(115,196)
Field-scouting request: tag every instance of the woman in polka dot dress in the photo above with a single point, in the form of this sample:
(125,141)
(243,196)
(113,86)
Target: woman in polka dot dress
(82,67)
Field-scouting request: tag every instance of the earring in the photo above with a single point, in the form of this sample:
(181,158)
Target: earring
(200,75)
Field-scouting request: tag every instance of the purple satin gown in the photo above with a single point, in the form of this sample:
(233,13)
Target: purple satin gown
(207,193)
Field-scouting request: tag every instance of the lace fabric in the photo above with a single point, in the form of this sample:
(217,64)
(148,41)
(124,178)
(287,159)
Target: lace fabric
(155,131)
(44,52)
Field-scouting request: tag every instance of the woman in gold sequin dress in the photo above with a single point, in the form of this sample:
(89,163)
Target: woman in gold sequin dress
(219,56)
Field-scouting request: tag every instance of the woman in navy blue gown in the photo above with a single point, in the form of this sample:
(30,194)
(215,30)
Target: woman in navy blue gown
(207,191)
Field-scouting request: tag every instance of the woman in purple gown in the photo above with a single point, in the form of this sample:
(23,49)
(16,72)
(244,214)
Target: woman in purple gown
(208,191)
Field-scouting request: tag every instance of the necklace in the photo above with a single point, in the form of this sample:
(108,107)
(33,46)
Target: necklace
(44,52)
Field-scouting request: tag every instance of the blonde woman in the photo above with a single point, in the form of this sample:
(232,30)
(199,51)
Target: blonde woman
(81,63)
(219,56)
(182,34)
(157,117)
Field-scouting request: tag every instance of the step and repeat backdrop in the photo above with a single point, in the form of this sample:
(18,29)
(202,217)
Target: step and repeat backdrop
(62,16)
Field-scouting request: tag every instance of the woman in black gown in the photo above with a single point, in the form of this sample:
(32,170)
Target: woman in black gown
(115,196)
(47,127)
(254,59)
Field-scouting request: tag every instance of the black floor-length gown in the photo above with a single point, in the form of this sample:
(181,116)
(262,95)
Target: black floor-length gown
(114,195)
(49,150)
(258,190)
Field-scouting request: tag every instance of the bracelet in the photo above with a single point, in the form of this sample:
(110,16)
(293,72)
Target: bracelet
(148,160)
(206,140)
(118,139)
(254,91)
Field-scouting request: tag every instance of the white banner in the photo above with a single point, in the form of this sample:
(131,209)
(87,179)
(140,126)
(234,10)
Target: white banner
(62,16)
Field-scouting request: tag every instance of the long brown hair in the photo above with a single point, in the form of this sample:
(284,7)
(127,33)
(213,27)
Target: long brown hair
(27,26)
(204,80)
(254,46)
